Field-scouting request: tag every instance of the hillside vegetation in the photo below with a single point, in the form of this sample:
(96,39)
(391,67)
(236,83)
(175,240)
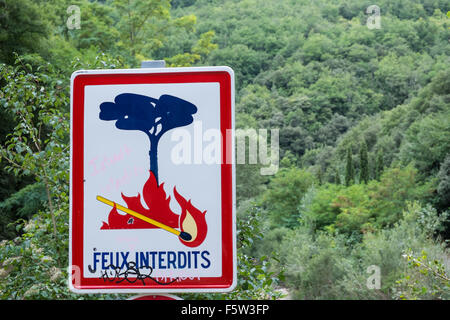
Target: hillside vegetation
(364,130)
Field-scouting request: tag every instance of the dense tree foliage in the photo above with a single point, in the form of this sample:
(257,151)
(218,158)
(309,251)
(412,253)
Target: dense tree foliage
(363,114)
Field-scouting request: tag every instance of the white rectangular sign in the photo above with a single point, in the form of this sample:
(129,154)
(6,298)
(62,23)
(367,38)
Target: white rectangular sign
(152,180)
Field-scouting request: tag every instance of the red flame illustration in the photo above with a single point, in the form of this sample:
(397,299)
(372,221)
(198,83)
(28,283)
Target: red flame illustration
(158,209)
(191,220)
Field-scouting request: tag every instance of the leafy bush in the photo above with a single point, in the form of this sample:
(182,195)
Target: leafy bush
(284,193)
(20,205)
(427,279)
(313,263)
(360,208)
(324,266)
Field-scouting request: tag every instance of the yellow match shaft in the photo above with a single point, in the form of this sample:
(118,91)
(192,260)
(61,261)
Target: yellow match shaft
(138,215)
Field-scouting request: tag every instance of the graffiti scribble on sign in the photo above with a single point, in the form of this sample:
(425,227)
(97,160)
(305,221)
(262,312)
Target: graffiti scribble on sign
(130,274)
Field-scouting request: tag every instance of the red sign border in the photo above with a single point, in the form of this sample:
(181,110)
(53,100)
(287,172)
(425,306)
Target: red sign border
(225,77)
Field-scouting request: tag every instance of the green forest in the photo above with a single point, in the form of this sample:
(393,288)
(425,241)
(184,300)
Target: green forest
(359,208)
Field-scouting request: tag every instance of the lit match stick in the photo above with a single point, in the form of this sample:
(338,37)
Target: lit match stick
(183,235)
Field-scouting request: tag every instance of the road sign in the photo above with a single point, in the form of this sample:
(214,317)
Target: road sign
(152,180)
